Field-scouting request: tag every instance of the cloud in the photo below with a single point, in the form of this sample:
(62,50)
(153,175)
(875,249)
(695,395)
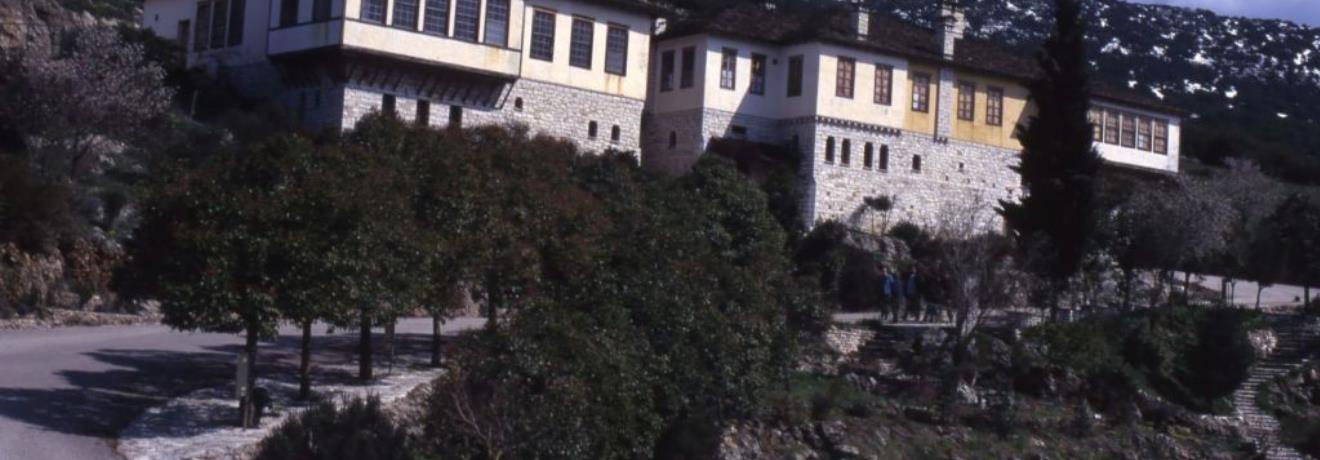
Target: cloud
(1303,11)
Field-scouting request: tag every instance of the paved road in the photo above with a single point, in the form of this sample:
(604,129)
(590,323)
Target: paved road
(1244,293)
(66,393)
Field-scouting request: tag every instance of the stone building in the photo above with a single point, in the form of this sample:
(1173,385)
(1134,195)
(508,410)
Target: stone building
(568,68)
(874,106)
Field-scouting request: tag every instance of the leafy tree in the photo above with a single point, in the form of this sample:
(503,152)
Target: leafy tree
(1253,196)
(1293,232)
(75,101)
(1054,220)
(209,250)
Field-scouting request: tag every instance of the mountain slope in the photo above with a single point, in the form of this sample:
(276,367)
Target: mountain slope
(1252,85)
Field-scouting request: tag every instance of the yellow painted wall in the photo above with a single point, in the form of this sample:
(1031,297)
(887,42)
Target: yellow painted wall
(977,130)
(919,121)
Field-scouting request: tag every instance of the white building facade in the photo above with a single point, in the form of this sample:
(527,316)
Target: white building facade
(567,68)
(873,107)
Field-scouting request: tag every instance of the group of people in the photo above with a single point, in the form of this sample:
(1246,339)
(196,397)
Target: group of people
(902,299)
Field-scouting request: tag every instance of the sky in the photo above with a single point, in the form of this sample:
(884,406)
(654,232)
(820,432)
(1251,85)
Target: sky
(1302,11)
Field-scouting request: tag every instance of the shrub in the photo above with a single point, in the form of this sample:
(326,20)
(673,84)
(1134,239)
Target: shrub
(359,430)
(1195,357)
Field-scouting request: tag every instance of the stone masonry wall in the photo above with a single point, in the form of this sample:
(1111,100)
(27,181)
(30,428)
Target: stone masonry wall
(954,177)
(546,108)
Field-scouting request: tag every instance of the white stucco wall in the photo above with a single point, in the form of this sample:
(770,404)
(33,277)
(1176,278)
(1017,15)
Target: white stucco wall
(631,84)
(678,98)
(253,48)
(1141,158)
(861,107)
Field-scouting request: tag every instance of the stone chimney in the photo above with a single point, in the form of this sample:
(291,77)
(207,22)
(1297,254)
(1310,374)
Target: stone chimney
(949,26)
(860,20)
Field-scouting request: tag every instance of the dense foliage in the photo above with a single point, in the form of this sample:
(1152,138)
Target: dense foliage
(1054,220)
(359,430)
(1192,356)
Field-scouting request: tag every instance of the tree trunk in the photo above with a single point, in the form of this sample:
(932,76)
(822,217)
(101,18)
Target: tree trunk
(1187,288)
(1259,287)
(364,345)
(492,302)
(435,340)
(305,363)
(247,408)
(1306,296)
(1223,290)
(389,345)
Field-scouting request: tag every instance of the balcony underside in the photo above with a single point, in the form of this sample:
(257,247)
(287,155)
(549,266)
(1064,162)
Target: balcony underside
(388,74)
(395,43)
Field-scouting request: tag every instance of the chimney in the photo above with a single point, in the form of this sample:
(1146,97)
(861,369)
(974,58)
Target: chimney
(949,26)
(860,20)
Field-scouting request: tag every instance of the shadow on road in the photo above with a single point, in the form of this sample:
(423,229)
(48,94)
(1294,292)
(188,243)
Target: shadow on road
(103,402)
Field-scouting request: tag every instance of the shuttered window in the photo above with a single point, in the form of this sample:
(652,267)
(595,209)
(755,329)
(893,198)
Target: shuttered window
(844,77)
(1111,127)
(794,76)
(1161,137)
(373,11)
(728,68)
(405,14)
(580,43)
(757,85)
(920,92)
(884,84)
(497,22)
(1143,133)
(437,17)
(543,36)
(219,23)
(467,15)
(616,50)
(687,74)
(1129,134)
(966,101)
(202,39)
(1096,118)
(994,106)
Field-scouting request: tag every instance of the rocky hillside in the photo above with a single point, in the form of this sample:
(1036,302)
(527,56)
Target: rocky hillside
(1253,85)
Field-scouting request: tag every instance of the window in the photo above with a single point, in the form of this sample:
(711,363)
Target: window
(517,104)
(1143,134)
(868,156)
(203,38)
(920,92)
(966,101)
(373,11)
(288,13)
(579,50)
(994,106)
(467,13)
(455,117)
(497,22)
(1129,133)
(423,113)
(320,10)
(667,71)
(387,104)
(1096,118)
(543,36)
(829,150)
(688,71)
(615,133)
(846,155)
(236,14)
(405,14)
(843,78)
(757,85)
(794,76)
(591,129)
(1161,137)
(884,158)
(1111,127)
(219,23)
(673,140)
(738,132)
(884,84)
(184,32)
(916,163)
(728,68)
(437,17)
(616,50)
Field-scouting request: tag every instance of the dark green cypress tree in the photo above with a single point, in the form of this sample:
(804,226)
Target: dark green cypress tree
(1054,221)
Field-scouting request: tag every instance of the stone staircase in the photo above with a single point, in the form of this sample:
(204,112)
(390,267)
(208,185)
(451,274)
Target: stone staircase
(1297,335)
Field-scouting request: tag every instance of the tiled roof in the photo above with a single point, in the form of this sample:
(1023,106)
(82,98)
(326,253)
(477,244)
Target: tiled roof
(888,34)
